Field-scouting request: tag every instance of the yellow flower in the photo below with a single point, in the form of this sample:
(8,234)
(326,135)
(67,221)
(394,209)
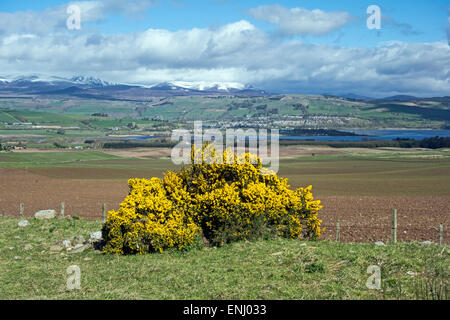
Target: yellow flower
(224,191)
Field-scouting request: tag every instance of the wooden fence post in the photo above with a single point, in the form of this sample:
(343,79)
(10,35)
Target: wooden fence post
(338,230)
(441,234)
(104,212)
(63,205)
(394,225)
(21,210)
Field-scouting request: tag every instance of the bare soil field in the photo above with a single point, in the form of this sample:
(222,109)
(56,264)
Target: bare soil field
(364,218)
(286,152)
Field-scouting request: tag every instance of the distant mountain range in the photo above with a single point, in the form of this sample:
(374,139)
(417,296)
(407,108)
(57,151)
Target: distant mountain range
(397,98)
(94,88)
(89,87)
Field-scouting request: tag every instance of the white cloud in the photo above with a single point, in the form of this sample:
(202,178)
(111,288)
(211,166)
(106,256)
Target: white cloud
(235,52)
(54,19)
(300,21)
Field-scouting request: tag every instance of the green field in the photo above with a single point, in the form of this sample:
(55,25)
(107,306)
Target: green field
(271,269)
(421,113)
(48,159)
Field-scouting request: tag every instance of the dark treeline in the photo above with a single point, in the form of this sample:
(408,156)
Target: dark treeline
(429,143)
(317,132)
(435,143)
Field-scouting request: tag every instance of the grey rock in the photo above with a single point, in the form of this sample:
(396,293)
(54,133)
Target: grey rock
(79,240)
(97,235)
(23,223)
(45,214)
(379,243)
(79,248)
(56,248)
(66,243)
(426,242)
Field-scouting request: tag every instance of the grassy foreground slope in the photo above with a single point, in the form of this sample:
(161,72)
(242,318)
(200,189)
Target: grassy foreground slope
(270,269)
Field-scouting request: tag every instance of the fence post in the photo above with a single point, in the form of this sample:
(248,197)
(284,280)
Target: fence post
(21,210)
(62,209)
(104,212)
(441,234)
(394,225)
(338,230)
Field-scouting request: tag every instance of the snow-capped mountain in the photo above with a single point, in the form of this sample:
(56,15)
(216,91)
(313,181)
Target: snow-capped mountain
(208,86)
(91,81)
(91,87)
(80,80)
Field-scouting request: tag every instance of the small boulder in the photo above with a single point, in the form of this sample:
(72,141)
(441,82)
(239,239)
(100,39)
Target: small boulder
(56,248)
(23,223)
(66,243)
(97,235)
(45,214)
(79,248)
(79,240)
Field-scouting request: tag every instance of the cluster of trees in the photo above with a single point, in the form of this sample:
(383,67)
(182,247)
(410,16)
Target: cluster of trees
(429,143)
(435,143)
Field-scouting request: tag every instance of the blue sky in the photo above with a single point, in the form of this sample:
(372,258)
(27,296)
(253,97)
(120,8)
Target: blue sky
(291,46)
(428,19)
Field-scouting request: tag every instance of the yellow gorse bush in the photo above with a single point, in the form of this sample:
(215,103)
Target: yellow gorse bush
(225,197)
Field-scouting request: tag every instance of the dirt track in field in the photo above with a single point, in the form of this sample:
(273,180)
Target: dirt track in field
(363,218)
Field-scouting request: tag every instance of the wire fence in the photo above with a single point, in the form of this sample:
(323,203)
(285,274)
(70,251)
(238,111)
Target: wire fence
(350,232)
(340,230)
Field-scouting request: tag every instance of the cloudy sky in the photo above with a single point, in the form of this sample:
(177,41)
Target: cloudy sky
(283,46)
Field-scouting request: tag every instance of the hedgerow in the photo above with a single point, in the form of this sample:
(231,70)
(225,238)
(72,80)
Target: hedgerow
(222,198)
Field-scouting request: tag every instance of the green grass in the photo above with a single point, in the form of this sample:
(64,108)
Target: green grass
(363,114)
(48,159)
(271,269)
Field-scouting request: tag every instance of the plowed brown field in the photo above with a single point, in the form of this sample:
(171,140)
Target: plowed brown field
(363,218)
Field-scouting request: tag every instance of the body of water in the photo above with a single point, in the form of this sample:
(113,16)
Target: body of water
(365,135)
